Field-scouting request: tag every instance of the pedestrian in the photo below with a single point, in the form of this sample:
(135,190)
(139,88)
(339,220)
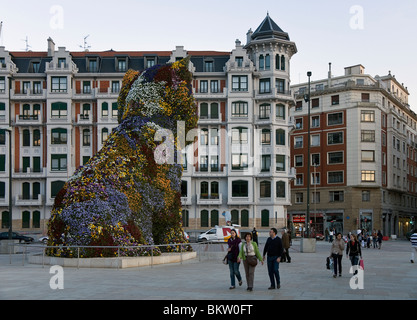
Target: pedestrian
(336,252)
(380,236)
(255,235)
(286,244)
(331,236)
(353,251)
(250,255)
(374,238)
(326,234)
(273,247)
(413,240)
(369,239)
(233,252)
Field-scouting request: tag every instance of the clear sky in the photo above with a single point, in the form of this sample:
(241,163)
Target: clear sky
(379,34)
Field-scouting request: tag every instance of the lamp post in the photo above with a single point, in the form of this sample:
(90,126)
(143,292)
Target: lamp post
(9,130)
(307,99)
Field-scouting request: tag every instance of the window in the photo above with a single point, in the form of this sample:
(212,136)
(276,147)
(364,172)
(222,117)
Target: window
(280,85)
(265,163)
(264,85)
(281,189)
(204,163)
(2,190)
(239,83)
(150,62)
(2,84)
(299,180)
(299,197)
(368,175)
(280,162)
(265,218)
(240,188)
(86,138)
(335,177)
(204,137)
(265,189)
(235,216)
(214,136)
(239,161)
(335,119)
(214,218)
(365,97)
(59,84)
(298,160)
(26,87)
(335,157)
(315,140)
(204,189)
(368,156)
(298,142)
(282,63)
(266,136)
(37,87)
(203,86)
(299,123)
(267,62)
(36,190)
(114,110)
(315,159)
(115,86)
(239,109)
(277,61)
(104,134)
(239,61)
(319,87)
(366,195)
(315,103)
(336,196)
(280,137)
(62,62)
(203,110)
(244,218)
(204,218)
(214,86)
(121,65)
(26,138)
(315,178)
(185,218)
(335,100)
(26,164)
(59,162)
(59,110)
(59,136)
(315,121)
(209,66)
(280,110)
(239,136)
(85,160)
(2,137)
(36,164)
(25,219)
(35,66)
(2,162)
(104,109)
(368,135)
(264,111)
(85,115)
(299,106)
(367,116)
(86,87)
(214,163)
(261,62)
(5,219)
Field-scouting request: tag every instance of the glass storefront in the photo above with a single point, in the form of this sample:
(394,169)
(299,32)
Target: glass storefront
(334,221)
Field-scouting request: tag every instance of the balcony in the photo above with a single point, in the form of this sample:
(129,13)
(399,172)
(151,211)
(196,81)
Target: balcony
(21,201)
(29,95)
(28,119)
(210,171)
(210,119)
(30,173)
(60,68)
(274,94)
(212,199)
(85,119)
(186,201)
(220,94)
(84,95)
(109,93)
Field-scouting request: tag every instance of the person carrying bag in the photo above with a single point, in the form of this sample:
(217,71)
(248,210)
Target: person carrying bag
(250,255)
(353,251)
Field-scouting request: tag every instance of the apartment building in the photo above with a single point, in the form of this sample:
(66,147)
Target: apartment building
(363,154)
(61,106)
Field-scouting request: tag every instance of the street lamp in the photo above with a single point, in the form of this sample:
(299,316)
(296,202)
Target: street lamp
(9,130)
(307,99)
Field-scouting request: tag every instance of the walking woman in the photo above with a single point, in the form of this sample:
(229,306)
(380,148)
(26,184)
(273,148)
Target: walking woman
(233,252)
(336,252)
(380,236)
(250,255)
(353,251)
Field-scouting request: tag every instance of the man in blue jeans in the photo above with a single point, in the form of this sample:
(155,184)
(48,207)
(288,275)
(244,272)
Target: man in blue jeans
(273,248)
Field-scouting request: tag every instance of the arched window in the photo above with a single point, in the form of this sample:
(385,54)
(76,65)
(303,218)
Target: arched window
(244,218)
(261,62)
(36,138)
(104,134)
(203,110)
(277,61)
(204,189)
(26,111)
(59,110)
(214,110)
(185,218)
(214,190)
(281,189)
(204,137)
(26,190)
(265,218)
(204,218)
(36,219)
(235,216)
(282,63)
(5,219)
(26,138)
(56,186)
(280,137)
(36,190)
(214,218)
(104,109)
(265,189)
(25,219)
(267,62)
(266,136)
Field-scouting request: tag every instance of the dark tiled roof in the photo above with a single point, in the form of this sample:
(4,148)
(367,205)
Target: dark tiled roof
(269,29)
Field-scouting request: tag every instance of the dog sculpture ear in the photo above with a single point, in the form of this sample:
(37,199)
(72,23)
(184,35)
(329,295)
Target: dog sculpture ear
(129,78)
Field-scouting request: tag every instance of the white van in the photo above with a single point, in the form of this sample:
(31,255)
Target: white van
(219,234)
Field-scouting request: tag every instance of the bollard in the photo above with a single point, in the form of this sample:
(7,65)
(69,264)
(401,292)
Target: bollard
(78,256)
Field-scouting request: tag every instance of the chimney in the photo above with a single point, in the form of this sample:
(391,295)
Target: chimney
(329,75)
(51,47)
(248,36)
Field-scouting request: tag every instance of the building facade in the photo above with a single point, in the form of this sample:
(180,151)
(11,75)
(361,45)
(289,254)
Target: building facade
(61,106)
(363,154)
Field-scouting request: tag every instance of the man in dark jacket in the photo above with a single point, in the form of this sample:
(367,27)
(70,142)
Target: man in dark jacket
(273,248)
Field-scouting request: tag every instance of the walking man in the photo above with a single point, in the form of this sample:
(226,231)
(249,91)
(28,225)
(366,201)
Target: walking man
(273,248)
(255,235)
(286,247)
(413,240)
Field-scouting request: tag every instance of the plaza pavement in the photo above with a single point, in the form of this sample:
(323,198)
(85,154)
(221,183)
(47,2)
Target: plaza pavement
(388,275)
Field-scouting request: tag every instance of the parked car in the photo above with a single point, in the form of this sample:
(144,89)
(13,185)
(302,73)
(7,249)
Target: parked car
(319,236)
(186,236)
(16,236)
(218,234)
(43,239)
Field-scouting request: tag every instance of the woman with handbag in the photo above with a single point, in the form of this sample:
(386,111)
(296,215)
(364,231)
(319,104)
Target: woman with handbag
(336,252)
(232,256)
(353,251)
(250,255)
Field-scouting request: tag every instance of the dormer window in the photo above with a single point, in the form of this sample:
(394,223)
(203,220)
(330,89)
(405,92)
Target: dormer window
(35,66)
(122,64)
(150,62)
(239,61)
(62,62)
(208,66)
(92,65)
